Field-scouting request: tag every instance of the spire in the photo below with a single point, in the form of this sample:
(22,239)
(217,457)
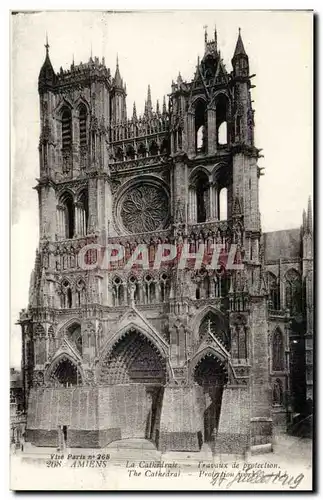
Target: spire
(47,45)
(134,112)
(304,221)
(215,38)
(309,215)
(239,50)
(164,106)
(117,77)
(179,79)
(47,75)
(157,107)
(205,34)
(149,103)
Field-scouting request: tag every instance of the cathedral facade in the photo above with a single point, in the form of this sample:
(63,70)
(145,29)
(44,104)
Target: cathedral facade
(177,355)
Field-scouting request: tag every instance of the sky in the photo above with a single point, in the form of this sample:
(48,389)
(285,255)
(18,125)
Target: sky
(152,48)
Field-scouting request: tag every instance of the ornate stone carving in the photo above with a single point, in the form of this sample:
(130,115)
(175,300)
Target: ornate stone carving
(144,208)
(38,379)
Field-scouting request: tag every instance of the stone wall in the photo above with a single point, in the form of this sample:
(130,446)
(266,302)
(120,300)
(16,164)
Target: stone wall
(181,425)
(234,426)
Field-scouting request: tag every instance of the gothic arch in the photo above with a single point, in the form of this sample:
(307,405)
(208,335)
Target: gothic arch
(218,171)
(219,93)
(196,171)
(273,290)
(66,214)
(293,291)
(81,101)
(291,273)
(66,192)
(201,315)
(64,327)
(63,358)
(214,352)
(158,343)
(200,97)
(61,105)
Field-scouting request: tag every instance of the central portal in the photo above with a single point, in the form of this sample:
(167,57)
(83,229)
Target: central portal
(137,372)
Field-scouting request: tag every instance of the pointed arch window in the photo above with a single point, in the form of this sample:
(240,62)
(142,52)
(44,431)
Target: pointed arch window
(81,293)
(273,289)
(278,351)
(164,287)
(117,291)
(65,216)
(134,284)
(222,106)
(223,203)
(66,128)
(150,290)
(293,292)
(66,373)
(222,134)
(83,126)
(200,127)
(202,192)
(66,296)
(82,213)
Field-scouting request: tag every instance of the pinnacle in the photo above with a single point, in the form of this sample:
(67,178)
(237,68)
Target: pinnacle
(239,50)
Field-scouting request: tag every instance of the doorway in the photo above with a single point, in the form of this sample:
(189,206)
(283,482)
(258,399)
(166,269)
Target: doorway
(210,374)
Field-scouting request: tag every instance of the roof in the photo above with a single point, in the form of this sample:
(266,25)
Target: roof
(239,50)
(285,244)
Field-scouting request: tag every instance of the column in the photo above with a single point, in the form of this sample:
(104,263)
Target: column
(76,220)
(190,133)
(193,203)
(215,202)
(61,221)
(190,218)
(157,291)
(211,129)
(211,200)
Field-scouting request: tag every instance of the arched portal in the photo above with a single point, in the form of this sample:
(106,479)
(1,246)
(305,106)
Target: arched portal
(65,373)
(134,371)
(211,374)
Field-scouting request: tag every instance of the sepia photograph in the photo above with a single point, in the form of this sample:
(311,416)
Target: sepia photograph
(162,254)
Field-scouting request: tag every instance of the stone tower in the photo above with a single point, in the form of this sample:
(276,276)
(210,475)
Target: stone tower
(176,354)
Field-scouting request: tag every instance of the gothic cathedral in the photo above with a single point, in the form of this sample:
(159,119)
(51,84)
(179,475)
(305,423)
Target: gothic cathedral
(178,356)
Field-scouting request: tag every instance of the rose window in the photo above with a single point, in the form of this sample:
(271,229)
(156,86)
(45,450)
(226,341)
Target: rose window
(144,208)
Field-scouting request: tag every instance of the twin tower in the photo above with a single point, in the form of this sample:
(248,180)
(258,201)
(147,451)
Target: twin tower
(178,356)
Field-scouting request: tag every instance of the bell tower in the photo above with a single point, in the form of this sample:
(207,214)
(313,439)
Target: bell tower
(74,120)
